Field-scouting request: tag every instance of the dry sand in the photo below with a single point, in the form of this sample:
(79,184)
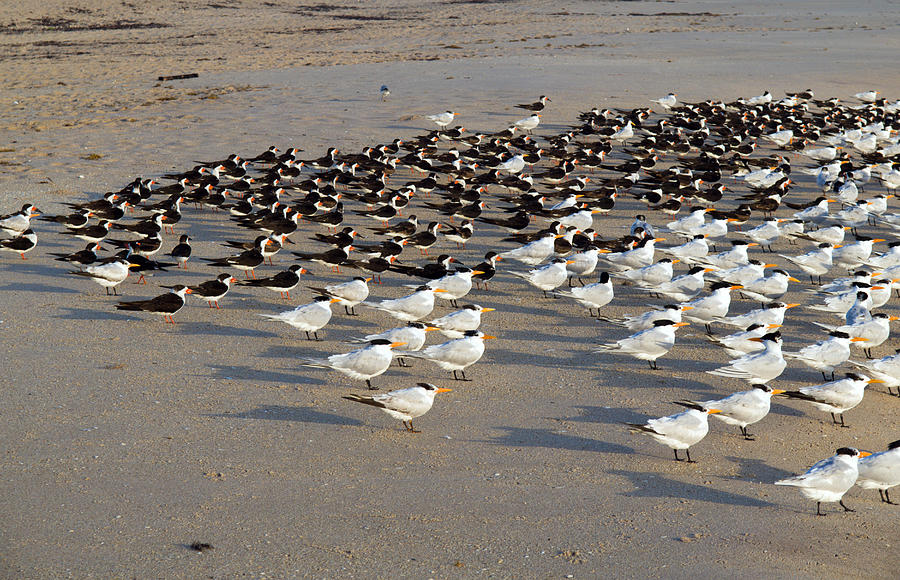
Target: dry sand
(126,440)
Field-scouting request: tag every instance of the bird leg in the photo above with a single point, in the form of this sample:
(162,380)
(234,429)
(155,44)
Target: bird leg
(846,509)
(688,452)
(369,384)
(409,427)
(676,455)
(819,509)
(653,365)
(747,435)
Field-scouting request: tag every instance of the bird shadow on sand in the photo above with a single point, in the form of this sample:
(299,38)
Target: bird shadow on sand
(88,314)
(232,372)
(213,329)
(286,413)
(38,288)
(608,415)
(20,267)
(647,484)
(758,470)
(550,439)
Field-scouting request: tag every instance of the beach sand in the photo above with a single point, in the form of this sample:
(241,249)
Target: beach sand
(126,440)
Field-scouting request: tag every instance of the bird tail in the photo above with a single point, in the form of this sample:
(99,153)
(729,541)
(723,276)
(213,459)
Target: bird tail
(798,395)
(363,399)
(315,362)
(636,428)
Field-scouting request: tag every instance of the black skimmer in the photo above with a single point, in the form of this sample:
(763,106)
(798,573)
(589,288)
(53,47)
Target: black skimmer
(25,242)
(165,305)
(182,251)
(213,290)
(282,282)
(247,260)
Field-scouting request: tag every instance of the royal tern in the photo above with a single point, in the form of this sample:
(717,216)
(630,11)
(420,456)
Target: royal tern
(310,317)
(455,324)
(769,288)
(349,293)
(815,262)
(404,404)
(881,471)
(442,119)
(650,276)
(741,343)
(528,124)
(744,408)
(666,102)
(412,336)
(649,344)
(533,253)
(413,306)
(596,295)
(362,364)
(109,273)
(771,313)
(458,354)
(712,307)
(679,431)
(835,396)
(757,367)
(829,479)
(545,278)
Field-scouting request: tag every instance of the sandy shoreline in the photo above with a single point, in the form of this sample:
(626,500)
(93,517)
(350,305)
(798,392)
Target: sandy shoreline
(128,439)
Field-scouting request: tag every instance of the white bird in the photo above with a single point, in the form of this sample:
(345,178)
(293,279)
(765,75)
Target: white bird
(886,368)
(867,96)
(649,344)
(822,153)
(15,224)
(762,99)
(782,137)
(514,164)
(679,431)
(412,336)
(666,102)
(752,270)
(582,263)
(685,287)
(596,295)
(404,404)
(875,331)
(307,317)
(835,396)
(638,257)
(362,364)
(740,343)
(881,471)
(765,234)
(851,256)
(413,306)
(757,367)
(736,256)
(713,306)
(548,277)
(829,479)
(815,214)
(533,253)
(454,285)
(744,408)
(108,274)
(697,247)
(831,235)
(840,304)
(442,119)
(815,262)
(529,123)
(624,133)
(771,313)
(645,320)
(455,324)
(458,354)
(826,355)
(349,294)
(650,276)
(688,225)
(769,288)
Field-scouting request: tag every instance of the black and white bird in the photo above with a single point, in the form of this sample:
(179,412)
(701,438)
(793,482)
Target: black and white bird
(828,480)
(679,431)
(404,404)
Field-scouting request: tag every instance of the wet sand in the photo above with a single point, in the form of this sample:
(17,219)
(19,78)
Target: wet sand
(128,439)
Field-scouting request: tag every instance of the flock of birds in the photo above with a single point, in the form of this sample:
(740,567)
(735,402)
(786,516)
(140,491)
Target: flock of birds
(716,178)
